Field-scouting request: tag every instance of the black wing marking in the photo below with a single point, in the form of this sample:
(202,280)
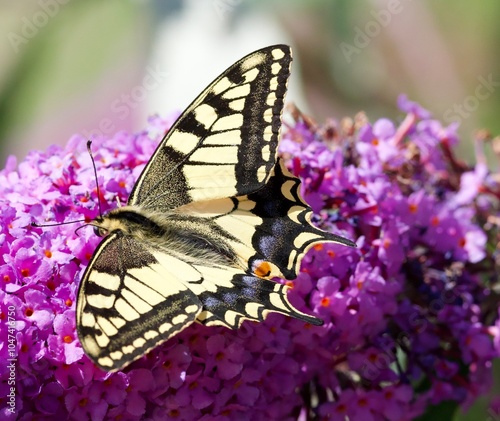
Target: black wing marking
(225,143)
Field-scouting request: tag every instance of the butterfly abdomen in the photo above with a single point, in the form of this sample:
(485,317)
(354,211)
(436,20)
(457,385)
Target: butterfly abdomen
(188,237)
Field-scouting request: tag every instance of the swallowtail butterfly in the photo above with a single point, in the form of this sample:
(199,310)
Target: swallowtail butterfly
(213,216)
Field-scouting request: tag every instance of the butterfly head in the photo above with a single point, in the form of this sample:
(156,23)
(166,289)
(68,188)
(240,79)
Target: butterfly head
(100,230)
(127,220)
(108,223)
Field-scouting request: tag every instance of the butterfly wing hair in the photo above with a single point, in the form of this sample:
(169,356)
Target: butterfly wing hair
(213,216)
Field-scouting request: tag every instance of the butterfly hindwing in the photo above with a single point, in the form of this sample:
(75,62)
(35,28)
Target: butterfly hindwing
(225,143)
(269,230)
(230,296)
(247,298)
(130,301)
(286,233)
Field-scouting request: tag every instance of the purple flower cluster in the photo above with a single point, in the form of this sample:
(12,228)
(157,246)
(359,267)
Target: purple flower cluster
(410,316)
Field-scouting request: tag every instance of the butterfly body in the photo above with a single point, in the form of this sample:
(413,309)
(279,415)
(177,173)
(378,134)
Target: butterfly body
(181,233)
(212,218)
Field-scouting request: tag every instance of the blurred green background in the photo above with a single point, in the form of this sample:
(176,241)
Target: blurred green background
(95,67)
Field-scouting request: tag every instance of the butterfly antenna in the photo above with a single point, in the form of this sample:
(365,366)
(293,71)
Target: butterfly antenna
(56,224)
(82,226)
(89,144)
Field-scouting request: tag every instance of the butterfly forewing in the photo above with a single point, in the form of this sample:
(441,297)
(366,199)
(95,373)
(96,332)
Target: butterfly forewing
(225,143)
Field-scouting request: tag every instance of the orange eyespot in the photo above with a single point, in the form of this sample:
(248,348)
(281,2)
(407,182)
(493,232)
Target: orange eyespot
(262,269)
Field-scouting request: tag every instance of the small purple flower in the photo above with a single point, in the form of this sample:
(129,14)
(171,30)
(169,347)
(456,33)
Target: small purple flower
(64,345)
(225,358)
(48,402)
(171,370)
(394,402)
(81,406)
(404,104)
